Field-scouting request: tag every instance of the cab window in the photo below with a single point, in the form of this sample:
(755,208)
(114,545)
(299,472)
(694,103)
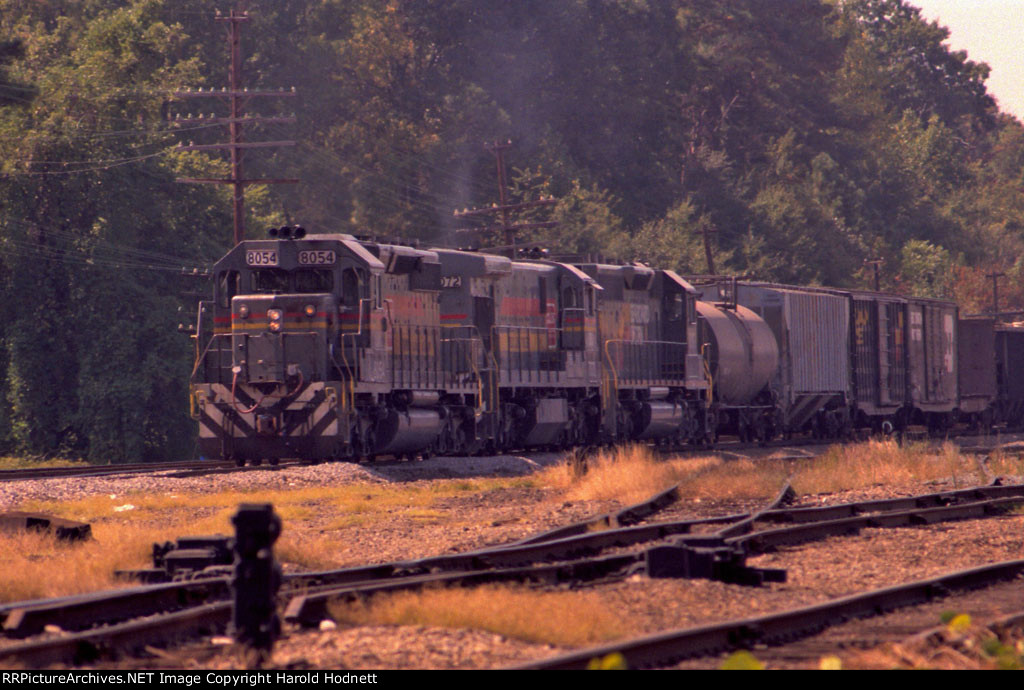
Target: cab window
(569,298)
(676,307)
(270,280)
(227,287)
(350,288)
(314,280)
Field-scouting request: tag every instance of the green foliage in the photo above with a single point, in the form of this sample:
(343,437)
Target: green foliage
(927,270)
(804,137)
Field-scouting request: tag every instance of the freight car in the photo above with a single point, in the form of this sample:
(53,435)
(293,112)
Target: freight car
(991,370)
(331,347)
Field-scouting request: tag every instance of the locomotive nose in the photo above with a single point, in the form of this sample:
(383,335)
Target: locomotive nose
(281,338)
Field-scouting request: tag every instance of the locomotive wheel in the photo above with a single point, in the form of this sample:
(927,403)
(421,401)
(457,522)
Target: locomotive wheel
(239,462)
(273,461)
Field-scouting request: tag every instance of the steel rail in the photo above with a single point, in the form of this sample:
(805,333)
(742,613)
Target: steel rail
(784,497)
(84,647)
(622,518)
(21,619)
(309,608)
(87,610)
(179,469)
(89,645)
(312,606)
(663,649)
(765,540)
(101,470)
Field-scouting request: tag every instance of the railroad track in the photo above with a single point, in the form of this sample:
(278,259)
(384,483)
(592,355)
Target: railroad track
(186,468)
(570,554)
(665,649)
(727,447)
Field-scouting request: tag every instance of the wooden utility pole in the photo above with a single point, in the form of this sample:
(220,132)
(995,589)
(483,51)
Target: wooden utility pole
(237,97)
(707,229)
(995,276)
(876,263)
(507,227)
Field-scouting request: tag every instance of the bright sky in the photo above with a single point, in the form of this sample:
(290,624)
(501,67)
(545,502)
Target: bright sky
(991,31)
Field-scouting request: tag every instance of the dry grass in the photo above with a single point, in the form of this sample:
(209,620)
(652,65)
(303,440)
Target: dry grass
(631,474)
(125,527)
(627,474)
(11,462)
(877,463)
(561,618)
(36,565)
(1006,464)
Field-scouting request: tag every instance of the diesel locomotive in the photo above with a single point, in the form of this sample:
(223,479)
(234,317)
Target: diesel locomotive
(325,346)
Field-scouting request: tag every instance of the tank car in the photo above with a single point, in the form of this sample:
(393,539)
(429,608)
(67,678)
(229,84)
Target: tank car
(742,355)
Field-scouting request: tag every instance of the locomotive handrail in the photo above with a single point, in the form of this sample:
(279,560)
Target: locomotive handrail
(199,330)
(202,358)
(349,369)
(473,339)
(610,404)
(707,373)
(348,383)
(544,373)
(643,372)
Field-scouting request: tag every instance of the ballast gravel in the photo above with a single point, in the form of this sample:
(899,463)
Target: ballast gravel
(816,571)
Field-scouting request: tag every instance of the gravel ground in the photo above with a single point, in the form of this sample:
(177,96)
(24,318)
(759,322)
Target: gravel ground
(14,493)
(816,571)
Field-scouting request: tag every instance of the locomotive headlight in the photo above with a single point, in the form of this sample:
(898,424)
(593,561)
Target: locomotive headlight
(243,311)
(275,315)
(309,310)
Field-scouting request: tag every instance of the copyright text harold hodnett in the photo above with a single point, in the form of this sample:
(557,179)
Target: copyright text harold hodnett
(189,679)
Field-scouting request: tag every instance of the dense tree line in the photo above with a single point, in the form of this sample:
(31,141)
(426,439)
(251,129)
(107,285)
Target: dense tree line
(803,137)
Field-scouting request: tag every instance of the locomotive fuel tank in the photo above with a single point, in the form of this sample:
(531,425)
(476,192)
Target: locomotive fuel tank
(407,431)
(742,352)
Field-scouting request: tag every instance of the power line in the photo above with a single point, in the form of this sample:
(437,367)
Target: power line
(237,97)
(114,164)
